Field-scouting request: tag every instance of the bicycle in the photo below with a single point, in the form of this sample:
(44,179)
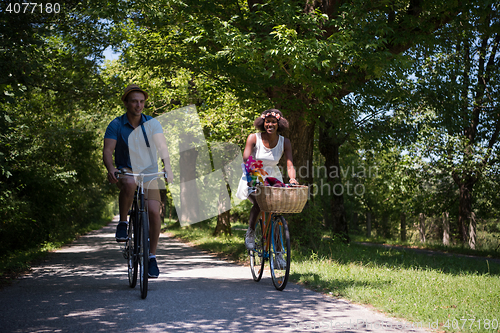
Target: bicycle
(136,248)
(272,242)
(272,237)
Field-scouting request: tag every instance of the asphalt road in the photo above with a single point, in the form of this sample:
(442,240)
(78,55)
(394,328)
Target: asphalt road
(84,288)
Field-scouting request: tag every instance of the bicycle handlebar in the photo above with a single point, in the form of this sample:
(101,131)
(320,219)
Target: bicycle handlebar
(118,174)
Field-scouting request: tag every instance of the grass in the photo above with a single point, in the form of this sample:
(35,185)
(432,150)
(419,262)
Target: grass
(457,293)
(412,286)
(431,245)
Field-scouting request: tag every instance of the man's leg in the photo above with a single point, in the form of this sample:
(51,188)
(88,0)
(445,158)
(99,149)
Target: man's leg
(154,230)
(127,188)
(154,225)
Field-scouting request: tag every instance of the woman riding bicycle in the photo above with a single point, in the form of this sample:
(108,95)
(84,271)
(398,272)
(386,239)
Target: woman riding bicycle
(267,146)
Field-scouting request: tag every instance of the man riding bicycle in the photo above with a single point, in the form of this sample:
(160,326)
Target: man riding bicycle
(116,140)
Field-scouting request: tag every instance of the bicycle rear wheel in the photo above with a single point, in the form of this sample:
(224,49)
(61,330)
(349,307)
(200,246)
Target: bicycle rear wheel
(131,249)
(144,253)
(279,258)
(257,254)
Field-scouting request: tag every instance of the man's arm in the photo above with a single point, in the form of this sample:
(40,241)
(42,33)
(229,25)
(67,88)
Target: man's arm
(107,157)
(161,145)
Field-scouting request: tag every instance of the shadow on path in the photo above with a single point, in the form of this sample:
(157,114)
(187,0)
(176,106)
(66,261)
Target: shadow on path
(84,288)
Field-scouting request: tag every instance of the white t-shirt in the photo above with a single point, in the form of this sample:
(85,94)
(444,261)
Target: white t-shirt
(270,159)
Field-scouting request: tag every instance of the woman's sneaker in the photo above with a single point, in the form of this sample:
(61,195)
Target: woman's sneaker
(153,270)
(250,239)
(121,232)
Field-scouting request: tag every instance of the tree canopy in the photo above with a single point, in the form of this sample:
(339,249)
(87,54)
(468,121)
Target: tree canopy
(408,86)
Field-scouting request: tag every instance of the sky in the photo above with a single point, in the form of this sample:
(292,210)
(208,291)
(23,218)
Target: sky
(110,55)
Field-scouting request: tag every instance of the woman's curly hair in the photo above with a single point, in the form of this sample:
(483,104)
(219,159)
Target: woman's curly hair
(282,122)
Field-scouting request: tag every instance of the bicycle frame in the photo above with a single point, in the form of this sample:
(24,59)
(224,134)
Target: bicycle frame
(266,231)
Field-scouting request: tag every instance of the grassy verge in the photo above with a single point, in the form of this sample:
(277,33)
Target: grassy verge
(459,294)
(19,262)
(430,245)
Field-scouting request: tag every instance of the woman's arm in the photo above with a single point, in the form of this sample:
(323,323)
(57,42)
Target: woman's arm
(251,141)
(289,162)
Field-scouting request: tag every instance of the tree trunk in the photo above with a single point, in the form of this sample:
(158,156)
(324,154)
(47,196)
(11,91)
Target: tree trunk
(329,145)
(472,231)
(354,224)
(465,206)
(385,226)
(190,204)
(421,227)
(303,227)
(223,219)
(368,224)
(301,136)
(403,227)
(446,228)
(223,224)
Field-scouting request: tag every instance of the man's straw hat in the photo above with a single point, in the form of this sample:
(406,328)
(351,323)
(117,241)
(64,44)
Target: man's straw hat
(133,87)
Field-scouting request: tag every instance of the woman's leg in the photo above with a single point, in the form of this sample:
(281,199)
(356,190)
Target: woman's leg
(254,212)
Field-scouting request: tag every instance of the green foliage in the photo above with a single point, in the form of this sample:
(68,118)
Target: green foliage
(435,128)
(233,59)
(53,184)
(51,179)
(290,51)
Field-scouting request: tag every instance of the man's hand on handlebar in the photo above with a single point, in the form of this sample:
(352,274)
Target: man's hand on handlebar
(112,175)
(166,174)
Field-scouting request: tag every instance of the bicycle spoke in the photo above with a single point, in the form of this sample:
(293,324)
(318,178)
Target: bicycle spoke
(257,254)
(131,248)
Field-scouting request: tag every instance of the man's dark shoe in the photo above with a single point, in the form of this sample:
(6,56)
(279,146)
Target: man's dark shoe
(153,270)
(121,232)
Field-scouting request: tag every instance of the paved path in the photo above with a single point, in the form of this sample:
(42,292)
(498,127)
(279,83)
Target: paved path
(84,288)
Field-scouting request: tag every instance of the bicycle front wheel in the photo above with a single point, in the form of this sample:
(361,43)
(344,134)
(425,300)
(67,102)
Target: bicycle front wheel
(144,253)
(257,254)
(131,250)
(279,258)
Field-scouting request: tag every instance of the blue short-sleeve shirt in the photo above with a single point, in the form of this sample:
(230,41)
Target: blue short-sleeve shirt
(119,129)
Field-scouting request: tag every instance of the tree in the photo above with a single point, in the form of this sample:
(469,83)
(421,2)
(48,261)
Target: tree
(459,82)
(51,96)
(301,56)
(449,106)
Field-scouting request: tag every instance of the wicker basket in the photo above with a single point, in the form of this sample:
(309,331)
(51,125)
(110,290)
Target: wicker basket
(281,199)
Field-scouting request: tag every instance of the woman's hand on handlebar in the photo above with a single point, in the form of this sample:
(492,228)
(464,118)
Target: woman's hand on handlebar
(294,181)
